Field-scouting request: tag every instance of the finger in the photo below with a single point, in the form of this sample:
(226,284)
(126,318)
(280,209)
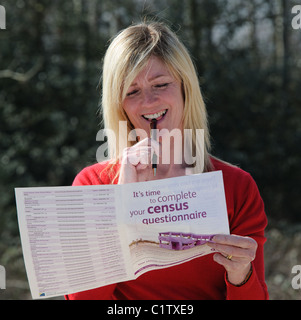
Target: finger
(141,153)
(221,259)
(145,154)
(140,166)
(231,265)
(148,142)
(144,142)
(234,240)
(227,250)
(134,155)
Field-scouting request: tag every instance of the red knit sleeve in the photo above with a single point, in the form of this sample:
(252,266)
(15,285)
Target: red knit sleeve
(102,293)
(249,219)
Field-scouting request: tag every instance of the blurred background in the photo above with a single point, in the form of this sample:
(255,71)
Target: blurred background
(248,57)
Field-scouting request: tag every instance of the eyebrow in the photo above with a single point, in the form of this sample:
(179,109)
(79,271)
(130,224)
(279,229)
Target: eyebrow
(155,77)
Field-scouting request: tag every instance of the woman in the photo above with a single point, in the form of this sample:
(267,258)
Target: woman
(148,74)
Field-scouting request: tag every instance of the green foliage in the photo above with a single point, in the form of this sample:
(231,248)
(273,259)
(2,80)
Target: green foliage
(247,56)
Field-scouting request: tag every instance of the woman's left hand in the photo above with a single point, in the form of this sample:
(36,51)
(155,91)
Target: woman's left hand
(235,253)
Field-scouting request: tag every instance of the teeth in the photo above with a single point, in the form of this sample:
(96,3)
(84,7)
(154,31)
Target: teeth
(155,115)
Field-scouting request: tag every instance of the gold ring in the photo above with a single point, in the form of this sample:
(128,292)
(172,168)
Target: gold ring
(229,257)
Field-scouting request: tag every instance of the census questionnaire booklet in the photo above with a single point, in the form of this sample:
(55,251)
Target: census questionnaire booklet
(80,238)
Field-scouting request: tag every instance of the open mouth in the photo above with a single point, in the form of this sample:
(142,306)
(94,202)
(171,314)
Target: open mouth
(158,116)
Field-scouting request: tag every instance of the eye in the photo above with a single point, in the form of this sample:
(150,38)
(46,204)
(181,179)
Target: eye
(161,85)
(131,93)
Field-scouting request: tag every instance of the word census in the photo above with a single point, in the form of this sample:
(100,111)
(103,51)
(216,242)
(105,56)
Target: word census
(156,309)
(171,203)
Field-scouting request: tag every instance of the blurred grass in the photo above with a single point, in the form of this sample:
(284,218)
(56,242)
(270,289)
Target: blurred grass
(282,252)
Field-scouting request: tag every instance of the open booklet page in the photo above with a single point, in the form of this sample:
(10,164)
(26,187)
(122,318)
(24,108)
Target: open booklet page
(80,238)
(70,238)
(170,221)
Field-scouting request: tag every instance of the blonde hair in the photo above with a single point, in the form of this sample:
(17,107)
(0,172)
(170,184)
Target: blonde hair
(126,56)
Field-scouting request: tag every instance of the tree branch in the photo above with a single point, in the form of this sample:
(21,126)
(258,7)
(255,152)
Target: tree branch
(22,77)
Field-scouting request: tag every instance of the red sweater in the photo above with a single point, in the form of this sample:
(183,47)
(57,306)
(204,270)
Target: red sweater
(201,278)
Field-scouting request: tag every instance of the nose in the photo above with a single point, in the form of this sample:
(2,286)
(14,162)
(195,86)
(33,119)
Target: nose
(149,98)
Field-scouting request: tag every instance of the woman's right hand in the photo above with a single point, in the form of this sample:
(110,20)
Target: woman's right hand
(136,161)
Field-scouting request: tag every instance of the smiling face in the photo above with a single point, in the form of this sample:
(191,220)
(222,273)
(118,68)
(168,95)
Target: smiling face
(155,94)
